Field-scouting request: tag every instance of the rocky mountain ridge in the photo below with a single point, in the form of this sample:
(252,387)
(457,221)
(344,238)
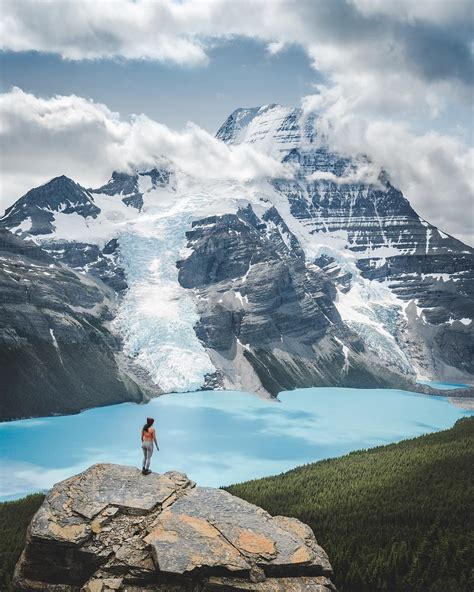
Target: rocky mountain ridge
(112,528)
(326,277)
(55,336)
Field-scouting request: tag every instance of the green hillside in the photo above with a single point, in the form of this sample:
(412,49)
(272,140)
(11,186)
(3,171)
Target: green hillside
(14,520)
(397,518)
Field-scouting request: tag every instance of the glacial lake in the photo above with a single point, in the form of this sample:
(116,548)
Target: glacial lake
(217,438)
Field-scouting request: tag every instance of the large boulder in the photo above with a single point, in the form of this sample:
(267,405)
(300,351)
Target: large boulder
(112,528)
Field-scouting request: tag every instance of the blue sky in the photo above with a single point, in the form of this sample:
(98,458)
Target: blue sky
(390,79)
(240,73)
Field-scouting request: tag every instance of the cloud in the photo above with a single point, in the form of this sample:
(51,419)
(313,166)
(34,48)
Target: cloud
(85,140)
(432,38)
(435,12)
(391,69)
(363,172)
(275,47)
(85,29)
(389,56)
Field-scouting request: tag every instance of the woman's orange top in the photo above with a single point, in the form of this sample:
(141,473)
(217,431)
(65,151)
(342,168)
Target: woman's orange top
(149,435)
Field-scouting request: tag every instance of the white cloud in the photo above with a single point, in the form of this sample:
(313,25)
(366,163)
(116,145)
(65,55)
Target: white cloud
(391,66)
(85,140)
(429,38)
(365,173)
(85,29)
(411,59)
(436,12)
(275,47)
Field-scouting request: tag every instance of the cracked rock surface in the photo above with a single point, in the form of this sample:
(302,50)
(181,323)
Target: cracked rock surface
(112,528)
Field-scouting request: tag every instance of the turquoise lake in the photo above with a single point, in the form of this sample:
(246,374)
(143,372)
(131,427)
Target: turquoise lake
(443,386)
(217,438)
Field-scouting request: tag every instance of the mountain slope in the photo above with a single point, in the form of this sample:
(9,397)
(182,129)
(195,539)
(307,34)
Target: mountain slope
(57,354)
(14,520)
(357,226)
(263,310)
(326,276)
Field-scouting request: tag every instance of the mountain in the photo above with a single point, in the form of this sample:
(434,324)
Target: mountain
(371,232)
(35,211)
(324,277)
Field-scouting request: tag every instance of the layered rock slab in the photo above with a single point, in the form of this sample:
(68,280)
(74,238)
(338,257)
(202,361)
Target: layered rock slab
(112,528)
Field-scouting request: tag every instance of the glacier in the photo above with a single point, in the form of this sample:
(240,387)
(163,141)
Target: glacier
(157,316)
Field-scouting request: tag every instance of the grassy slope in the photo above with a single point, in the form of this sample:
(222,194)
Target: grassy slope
(395,518)
(14,520)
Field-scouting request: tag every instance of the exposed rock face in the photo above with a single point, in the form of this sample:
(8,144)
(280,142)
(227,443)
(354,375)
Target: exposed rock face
(112,528)
(102,262)
(54,337)
(368,229)
(259,301)
(129,186)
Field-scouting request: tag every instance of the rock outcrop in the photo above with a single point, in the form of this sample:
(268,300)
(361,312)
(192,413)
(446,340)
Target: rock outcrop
(112,528)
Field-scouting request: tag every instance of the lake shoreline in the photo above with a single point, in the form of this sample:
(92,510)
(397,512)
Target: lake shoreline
(464,392)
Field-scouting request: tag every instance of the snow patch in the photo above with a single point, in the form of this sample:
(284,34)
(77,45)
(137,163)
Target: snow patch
(345,351)
(242,299)
(372,311)
(25,226)
(56,345)
(465,321)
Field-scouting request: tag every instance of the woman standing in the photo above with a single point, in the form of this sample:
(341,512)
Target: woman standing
(148,437)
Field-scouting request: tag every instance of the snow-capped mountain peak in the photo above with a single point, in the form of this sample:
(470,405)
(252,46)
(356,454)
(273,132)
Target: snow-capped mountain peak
(272,129)
(35,211)
(325,278)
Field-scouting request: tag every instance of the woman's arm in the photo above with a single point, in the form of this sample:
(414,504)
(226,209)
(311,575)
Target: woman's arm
(156,443)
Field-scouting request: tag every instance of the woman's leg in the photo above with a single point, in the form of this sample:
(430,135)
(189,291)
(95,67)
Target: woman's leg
(144,455)
(148,455)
